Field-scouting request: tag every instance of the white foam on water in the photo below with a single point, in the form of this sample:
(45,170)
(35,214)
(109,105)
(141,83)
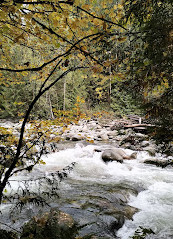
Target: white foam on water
(155,203)
(155,211)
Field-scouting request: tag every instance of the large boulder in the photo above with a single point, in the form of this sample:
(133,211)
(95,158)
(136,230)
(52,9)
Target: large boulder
(51,225)
(116,154)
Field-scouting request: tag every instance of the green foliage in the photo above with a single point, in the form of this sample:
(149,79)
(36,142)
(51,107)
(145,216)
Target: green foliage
(149,75)
(8,234)
(142,232)
(122,103)
(8,143)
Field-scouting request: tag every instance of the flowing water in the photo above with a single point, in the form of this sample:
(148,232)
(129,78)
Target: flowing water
(95,192)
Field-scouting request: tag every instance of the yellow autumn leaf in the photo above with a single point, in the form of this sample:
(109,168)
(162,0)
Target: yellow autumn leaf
(42,162)
(145,93)
(165,83)
(121,39)
(97,22)
(86,7)
(97,69)
(107,63)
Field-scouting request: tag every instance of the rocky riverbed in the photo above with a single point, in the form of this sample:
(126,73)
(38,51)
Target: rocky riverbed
(120,133)
(101,197)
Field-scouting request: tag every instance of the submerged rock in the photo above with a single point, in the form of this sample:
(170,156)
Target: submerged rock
(159,162)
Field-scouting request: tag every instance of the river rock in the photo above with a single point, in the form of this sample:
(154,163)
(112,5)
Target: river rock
(53,224)
(129,212)
(122,132)
(112,223)
(98,127)
(150,149)
(127,146)
(67,137)
(129,138)
(85,128)
(76,137)
(111,155)
(104,137)
(145,143)
(116,154)
(92,125)
(113,133)
(117,125)
(140,136)
(159,162)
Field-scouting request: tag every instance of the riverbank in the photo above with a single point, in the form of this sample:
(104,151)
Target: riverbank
(129,133)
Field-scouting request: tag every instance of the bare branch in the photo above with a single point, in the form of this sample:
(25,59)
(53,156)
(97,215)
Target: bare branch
(34,68)
(68,2)
(30,167)
(46,80)
(22,44)
(65,40)
(2,223)
(55,58)
(32,3)
(100,18)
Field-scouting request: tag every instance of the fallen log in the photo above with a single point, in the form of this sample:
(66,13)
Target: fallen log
(138,125)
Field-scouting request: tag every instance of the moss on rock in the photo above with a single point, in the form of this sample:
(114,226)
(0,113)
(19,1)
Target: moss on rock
(51,225)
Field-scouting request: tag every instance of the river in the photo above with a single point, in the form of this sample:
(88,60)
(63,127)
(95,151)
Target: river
(94,188)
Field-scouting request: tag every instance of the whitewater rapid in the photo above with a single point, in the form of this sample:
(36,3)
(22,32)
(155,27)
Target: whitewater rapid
(155,201)
(155,185)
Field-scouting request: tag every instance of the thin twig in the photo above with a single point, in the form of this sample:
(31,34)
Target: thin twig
(55,58)
(9,227)
(101,18)
(51,73)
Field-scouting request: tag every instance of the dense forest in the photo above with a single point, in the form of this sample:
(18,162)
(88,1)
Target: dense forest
(124,57)
(62,60)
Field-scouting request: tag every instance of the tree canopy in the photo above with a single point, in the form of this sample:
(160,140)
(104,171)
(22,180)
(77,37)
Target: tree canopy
(115,40)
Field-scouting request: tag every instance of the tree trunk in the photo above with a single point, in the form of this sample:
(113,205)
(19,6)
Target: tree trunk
(64,94)
(50,105)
